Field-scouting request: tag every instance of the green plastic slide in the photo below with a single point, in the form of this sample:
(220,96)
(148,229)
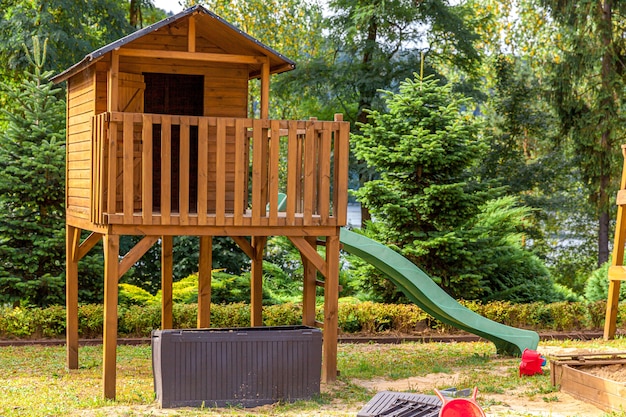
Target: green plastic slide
(423,291)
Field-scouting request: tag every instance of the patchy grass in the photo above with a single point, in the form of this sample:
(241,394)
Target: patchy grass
(34,381)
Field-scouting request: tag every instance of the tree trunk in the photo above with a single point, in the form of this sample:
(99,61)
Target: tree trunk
(606,149)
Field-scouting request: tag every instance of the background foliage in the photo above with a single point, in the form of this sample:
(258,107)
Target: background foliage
(531,89)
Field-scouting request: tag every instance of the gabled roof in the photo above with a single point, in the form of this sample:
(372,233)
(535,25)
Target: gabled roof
(228,37)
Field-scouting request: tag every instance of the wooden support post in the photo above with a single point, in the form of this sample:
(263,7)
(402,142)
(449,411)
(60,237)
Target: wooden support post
(617,260)
(111,254)
(612,305)
(265,89)
(72,241)
(112,83)
(204,282)
(256,281)
(331,307)
(309,288)
(167,271)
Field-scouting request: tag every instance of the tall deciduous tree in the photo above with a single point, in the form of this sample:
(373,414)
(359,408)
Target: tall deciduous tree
(74,28)
(588,90)
(429,204)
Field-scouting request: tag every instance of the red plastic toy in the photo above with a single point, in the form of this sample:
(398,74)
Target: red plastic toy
(460,407)
(531,364)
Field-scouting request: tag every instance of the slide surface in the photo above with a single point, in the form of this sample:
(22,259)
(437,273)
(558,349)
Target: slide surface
(423,291)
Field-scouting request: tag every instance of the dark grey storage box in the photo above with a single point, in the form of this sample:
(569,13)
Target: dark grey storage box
(239,366)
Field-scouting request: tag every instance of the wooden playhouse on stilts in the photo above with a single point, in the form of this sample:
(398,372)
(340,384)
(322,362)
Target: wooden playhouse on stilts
(160,143)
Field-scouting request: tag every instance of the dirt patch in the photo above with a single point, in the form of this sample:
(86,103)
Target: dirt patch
(554,404)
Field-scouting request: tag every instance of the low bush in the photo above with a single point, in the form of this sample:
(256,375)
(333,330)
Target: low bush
(354,317)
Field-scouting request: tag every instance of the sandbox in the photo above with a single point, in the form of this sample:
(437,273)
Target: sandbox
(596,378)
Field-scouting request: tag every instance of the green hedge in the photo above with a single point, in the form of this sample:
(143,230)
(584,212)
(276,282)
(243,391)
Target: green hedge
(354,317)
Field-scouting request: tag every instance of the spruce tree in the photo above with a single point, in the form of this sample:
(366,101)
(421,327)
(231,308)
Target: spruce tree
(430,205)
(32,178)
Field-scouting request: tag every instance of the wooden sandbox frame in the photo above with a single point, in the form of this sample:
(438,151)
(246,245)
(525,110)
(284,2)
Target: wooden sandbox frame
(567,371)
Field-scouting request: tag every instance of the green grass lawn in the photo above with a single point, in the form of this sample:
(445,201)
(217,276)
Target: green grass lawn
(35,382)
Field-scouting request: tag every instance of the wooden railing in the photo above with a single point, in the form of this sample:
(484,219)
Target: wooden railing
(187,170)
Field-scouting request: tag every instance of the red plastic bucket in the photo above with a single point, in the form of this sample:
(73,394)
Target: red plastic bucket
(460,407)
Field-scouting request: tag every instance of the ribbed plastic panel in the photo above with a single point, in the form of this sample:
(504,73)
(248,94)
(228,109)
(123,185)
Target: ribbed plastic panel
(401,404)
(239,366)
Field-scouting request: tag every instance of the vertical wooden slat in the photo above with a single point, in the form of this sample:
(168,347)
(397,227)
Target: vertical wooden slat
(128,160)
(167,271)
(264,169)
(258,205)
(300,168)
(191,35)
(146,168)
(112,168)
(203,169)
(241,170)
(184,171)
(96,183)
(292,171)
(101,173)
(166,169)
(323,191)
(342,160)
(309,173)
(204,282)
(273,163)
(111,255)
(220,171)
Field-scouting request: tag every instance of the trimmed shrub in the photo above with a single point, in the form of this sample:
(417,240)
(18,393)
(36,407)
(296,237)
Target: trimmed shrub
(353,316)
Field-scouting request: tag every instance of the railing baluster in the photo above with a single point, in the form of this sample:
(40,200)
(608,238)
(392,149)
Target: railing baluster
(323,189)
(258,203)
(241,170)
(273,163)
(96,184)
(146,168)
(309,172)
(203,172)
(128,160)
(220,171)
(341,157)
(112,169)
(293,161)
(183,172)
(166,169)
